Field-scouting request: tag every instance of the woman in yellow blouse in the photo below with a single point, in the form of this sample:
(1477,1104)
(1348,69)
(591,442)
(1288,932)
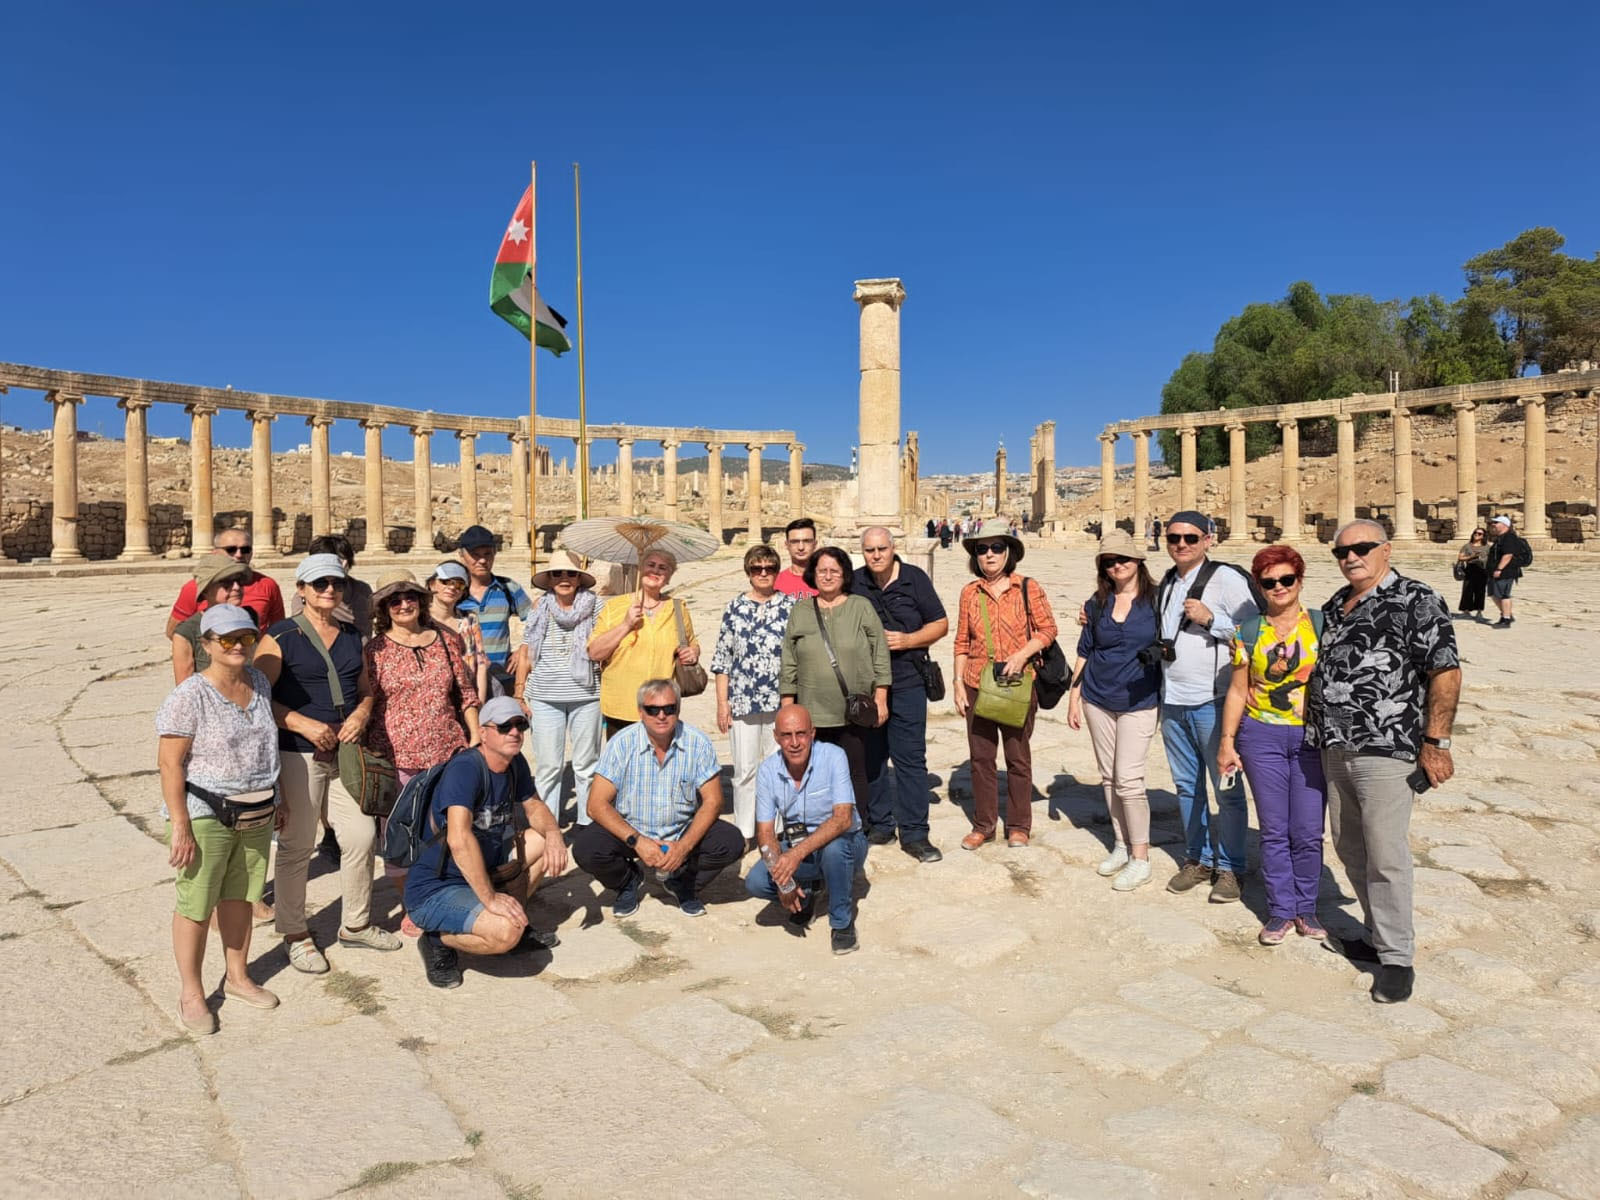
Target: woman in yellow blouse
(636,638)
(1263,732)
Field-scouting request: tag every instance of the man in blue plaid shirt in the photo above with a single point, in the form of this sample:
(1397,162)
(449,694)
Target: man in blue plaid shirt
(653,806)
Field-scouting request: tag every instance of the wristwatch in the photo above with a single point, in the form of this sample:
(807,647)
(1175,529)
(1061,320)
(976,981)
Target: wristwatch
(1443,743)
(631,840)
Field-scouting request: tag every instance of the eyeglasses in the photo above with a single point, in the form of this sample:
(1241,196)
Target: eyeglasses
(1188,539)
(764,569)
(989,547)
(515,725)
(236,641)
(658,710)
(237,551)
(399,598)
(1359,549)
(1283,581)
(1117,560)
(563,574)
(329,583)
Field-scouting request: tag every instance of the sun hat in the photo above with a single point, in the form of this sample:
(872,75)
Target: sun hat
(451,570)
(207,573)
(319,566)
(1119,544)
(563,560)
(1502,519)
(397,580)
(995,527)
(473,536)
(225,618)
(499,710)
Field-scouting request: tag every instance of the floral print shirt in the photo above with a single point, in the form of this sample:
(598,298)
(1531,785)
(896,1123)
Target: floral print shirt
(416,719)
(750,652)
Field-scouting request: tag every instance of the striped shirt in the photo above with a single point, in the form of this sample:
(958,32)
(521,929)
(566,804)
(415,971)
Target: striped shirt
(659,799)
(493,613)
(1007,620)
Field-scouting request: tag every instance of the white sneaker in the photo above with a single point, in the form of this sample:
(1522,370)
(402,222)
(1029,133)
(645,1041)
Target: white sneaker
(1135,874)
(1113,862)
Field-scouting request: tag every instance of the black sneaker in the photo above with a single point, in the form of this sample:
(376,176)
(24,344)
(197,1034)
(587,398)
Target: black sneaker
(439,962)
(1502,623)
(1393,985)
(923,851)
(1355,949)
(880,837)
(801,921)
(844,940)
(533,939)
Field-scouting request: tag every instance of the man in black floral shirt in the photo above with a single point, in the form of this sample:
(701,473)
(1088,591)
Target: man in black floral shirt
(1380,705)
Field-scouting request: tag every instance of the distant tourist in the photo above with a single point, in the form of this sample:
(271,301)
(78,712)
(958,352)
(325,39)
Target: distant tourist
(261,594)
(1507,556)
(636,638)
(800,540)
(491,601)
(1472,568)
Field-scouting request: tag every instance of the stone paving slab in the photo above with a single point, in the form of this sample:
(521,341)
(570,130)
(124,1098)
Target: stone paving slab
(1121,1041)
(1571,1166)
(1059,1172)
(69,864)
(1483,1108)
(1424,1153)
(1183,998)
(698,1032)
(1180,1134)
(1348,1053)
(938,1136)
(1251,1081)
(448,1181)
(1553,1073)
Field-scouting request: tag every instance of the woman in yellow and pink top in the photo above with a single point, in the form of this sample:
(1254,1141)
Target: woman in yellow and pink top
(1263,732)
(636,639)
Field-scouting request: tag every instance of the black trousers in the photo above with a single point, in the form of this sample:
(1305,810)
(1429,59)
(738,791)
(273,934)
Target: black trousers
(609,859)
(853,740)
(1473,583)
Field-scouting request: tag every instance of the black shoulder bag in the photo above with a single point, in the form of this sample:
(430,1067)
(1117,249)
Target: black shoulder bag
(1051,675)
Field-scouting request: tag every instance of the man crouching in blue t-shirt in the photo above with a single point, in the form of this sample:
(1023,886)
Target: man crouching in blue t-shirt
(468,890)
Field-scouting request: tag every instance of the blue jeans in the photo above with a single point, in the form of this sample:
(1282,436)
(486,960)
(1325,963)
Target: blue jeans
(903,741)
(554,721)
(836,864)
(1190,733)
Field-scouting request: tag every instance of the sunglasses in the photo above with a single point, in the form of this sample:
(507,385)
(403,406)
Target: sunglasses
(457,584)
(1117,560)
(563,574)
(1188,539)
(658,710)
(236,641)
(399,598)
(330,583)
(237,551)
(1359,549)
(764,569)
(515,725)
(1282,581)
(989,547)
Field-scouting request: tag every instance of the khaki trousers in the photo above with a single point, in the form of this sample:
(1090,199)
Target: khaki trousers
(305,785)
(1121,746)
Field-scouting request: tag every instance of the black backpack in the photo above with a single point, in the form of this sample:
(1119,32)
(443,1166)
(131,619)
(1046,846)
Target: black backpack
(1523,554)
(406,834)
(1201,579)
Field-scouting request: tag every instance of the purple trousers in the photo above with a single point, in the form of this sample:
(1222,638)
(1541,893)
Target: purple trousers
(1291,799)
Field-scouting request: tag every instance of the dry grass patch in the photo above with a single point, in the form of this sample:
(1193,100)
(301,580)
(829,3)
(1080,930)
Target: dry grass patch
(360,992)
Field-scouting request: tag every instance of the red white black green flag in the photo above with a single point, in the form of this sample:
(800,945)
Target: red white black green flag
(511,293)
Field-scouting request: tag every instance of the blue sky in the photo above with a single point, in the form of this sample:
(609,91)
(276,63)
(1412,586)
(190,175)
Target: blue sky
(307,198)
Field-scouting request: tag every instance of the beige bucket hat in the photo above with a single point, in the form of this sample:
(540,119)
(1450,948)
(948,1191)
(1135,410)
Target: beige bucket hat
(995,527)
(1119,544)
(562,560)
(397,580)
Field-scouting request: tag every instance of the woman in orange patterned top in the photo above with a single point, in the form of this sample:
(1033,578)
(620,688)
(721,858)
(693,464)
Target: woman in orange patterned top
(1020,631)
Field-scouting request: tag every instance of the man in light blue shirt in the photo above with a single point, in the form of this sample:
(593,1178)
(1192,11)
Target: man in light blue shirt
(807,782)
(653,804)
(1199,631)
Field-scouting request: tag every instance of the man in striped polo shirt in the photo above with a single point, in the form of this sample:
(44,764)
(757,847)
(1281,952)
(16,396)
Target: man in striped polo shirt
(490,600)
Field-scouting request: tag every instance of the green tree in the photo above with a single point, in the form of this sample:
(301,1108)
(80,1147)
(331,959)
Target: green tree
(1512,284)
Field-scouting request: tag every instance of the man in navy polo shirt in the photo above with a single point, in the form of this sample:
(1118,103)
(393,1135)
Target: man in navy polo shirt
(913,619)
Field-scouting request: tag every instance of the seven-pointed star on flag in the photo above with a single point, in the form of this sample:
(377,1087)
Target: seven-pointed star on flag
(516,231)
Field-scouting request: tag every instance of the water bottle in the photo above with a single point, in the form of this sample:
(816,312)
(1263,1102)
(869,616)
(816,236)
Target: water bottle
(662,874)
(770,857)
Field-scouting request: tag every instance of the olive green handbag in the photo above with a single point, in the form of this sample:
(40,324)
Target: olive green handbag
(1003,701)
(369,778)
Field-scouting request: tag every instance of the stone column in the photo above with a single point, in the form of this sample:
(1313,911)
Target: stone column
(321,477)
(878,477)
(519,489)
(1535,524)
(1405,496)
(1238,514)
(625,475)
(1000,482)
(669,479)
(752,489)
(469,476)
(203,523)
(1047,468)
(1141,483)
(714,490)
(377,518)
(422,487)
(136,458)
(64,478)
(797,452)
(262,533)
(1293,516)
(1188,494)
(1466,467)
(1345,467)
(1108,483)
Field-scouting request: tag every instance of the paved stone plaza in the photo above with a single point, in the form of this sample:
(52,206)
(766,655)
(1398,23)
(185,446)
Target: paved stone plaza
(1010,1026)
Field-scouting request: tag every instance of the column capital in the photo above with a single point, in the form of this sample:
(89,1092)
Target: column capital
(755,447)
(517,438)
(466,435)
(1343,418)
(670,443)
(879,291)
(260,416)
(60,398)
(421,430)
(1288,422)
(1234,427)
(131,403)
(716,447)
(797,447)
(1535,400)
(374,423)
(1108,437)
(625,441)
(1139,435)
(1188,431)
(200,410)
(319,422)
(1463,405)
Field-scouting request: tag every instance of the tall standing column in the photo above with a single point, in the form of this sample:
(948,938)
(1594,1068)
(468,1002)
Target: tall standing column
(1035,479)
(714,490)
(878,478)
(669,479)
(1141,482)
(203,523)
(1466,467)
(519,489)
(1000,482)
(1047,468)
(1188,494)
(1345,467)
(797,452)
(752,487)
(469,476)
(1535,523)
(262,533)
(1405,496)
(422,488)
(625,475)
(64,478)
(1238,514)
(377,518)
(1108,483)
(1293,518)
(136,457)
(321,477)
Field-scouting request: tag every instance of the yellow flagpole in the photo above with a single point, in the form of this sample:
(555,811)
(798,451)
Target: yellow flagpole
(583,414)
(533,371)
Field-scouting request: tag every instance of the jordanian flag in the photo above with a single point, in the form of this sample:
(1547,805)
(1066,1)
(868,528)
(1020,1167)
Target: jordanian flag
(511,292)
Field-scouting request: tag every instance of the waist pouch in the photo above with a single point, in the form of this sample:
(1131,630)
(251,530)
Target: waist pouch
(244,812)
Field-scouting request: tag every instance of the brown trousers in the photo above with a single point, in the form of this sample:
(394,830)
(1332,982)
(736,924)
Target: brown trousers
(984,741)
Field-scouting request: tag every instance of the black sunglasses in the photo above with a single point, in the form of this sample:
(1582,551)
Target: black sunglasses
(989,547)
(399,598)
(563,574)
(1359,549)
(515,725)
(327,583)
(658,710)
(1117,560)
(1191,539)
(237,551)
(1283,581)
(764,569)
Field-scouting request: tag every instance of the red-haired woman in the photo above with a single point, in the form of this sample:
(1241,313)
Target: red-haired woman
(1263,731)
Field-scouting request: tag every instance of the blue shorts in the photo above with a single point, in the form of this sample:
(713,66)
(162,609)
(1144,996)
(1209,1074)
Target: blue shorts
(450,909)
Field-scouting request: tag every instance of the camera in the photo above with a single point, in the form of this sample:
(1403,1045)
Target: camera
(1157,652)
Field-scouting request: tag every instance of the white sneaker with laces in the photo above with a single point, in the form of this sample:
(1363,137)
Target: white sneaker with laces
(1113,862)
(1135,874)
